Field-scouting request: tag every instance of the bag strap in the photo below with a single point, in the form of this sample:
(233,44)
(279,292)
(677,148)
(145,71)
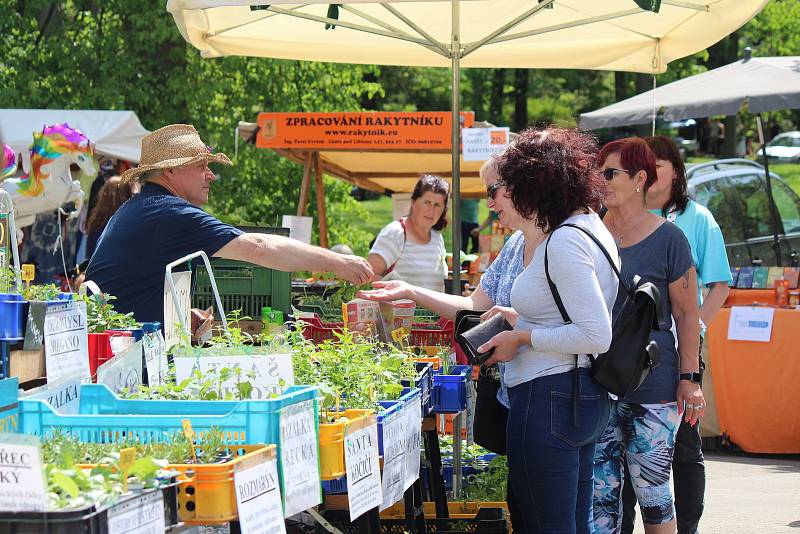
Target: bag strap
(405,236)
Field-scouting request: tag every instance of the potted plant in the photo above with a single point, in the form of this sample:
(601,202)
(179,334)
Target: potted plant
(13,308)
(100,317)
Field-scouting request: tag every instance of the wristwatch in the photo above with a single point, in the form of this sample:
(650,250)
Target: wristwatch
(695,378)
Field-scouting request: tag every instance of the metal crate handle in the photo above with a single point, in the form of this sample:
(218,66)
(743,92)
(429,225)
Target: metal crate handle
(174,292)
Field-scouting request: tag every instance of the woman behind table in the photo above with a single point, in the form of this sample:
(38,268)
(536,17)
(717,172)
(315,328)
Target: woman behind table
(112,195)
(642,426)
(412,249)
(557,409)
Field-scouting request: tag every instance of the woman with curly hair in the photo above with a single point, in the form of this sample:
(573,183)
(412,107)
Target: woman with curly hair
(112,195)
(557,411)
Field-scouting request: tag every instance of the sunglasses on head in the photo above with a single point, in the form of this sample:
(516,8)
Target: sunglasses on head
(491,191)
(609,173)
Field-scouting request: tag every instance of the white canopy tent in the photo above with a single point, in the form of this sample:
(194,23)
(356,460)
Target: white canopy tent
(116,134)
(627,35)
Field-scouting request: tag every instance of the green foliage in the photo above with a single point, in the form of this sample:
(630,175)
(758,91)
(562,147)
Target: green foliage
(8,280)
(41,292)
(488,485)
(201,385)
(101,315)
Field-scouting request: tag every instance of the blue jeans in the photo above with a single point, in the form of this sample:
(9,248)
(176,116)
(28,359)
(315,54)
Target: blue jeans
(550,454)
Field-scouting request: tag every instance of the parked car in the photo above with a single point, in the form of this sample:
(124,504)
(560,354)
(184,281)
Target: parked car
(784,148)
(735,192)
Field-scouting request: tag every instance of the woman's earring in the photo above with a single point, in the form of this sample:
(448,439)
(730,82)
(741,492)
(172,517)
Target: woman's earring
(637,190)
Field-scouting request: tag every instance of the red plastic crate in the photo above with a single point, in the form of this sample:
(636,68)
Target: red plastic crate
(442,335)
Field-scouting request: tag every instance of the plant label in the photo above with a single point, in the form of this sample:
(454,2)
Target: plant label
(258,495)
(299,457)
(273,372)
(363,468)
(155,360)
(63,395)
(141,515)
(394,458)
(66,341)
(123,370)
(174,310)
(21,475)
(413,427)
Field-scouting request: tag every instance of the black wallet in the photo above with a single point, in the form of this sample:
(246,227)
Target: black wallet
(471,333)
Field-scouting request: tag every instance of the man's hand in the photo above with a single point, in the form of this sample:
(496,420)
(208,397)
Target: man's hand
(202,321)
(388,290)
(354,269)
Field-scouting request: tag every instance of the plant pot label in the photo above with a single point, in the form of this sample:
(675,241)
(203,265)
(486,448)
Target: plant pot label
(21,475)
(123,370)
(172,315)
(273,372)
(413,440)
(155,359)
(140,515)
(362,465)
(258,496)
(66,347)
(299,450)
(394,458)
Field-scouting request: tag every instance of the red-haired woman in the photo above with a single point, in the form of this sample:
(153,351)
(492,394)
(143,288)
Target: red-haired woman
(642,426)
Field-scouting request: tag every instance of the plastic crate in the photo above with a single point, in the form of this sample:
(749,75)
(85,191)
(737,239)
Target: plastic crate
(422,334)
(392,408)
(424,382)
(484,519)
(450,391)
(105,418)
(335,487)
(89,519)
(331,444)
(457,510)
(244,286)
(206,495)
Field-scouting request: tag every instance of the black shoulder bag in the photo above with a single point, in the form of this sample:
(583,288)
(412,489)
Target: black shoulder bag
(632,356)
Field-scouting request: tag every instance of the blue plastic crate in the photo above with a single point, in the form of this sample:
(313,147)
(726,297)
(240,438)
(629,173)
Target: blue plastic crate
(392,409)
(424,382)
(105,418)
(335,486)
(450,391)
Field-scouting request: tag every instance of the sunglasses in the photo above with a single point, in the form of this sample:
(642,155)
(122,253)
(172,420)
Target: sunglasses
(491,191)
(609,173)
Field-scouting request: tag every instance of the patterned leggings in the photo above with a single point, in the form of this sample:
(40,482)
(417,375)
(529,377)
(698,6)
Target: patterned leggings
(644,435)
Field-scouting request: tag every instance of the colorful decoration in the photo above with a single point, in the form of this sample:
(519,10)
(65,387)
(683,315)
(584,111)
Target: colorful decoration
(8,163)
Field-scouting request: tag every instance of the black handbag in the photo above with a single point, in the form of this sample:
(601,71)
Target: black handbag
(471,333)
(491,417)
(632,355)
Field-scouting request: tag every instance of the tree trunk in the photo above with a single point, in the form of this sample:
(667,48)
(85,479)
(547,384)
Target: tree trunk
(497,97)
(644,83)
(521,77)
(729,142)
(621,85)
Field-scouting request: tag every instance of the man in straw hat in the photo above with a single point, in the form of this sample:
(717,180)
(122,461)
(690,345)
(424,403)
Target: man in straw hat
(164,222)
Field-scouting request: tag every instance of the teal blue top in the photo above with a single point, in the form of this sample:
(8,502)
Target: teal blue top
(469,210)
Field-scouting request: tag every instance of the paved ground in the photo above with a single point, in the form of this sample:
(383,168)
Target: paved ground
(751,495)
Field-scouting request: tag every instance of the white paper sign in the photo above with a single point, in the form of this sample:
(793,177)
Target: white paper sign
(394,458)
(155,359)
(123,370)
(299,227)
(750,323)
(363,468)
(299,458)
(21,475)
(273,372)
(142,515)
(481,143)
(172,322)
(66,341)
(63,395)
(258,498)
(413,415)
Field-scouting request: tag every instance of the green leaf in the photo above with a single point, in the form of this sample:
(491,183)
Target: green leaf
(65,484)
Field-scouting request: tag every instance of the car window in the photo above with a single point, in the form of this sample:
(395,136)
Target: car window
(722,199)
(786,141)
(788,206)
(756,214)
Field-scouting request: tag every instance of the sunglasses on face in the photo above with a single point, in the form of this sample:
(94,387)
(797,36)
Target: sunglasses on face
(609,173)
(491,191)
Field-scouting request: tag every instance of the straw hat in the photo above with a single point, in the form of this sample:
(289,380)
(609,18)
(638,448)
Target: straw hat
(176,145)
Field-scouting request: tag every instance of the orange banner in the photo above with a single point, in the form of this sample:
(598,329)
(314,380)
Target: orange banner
(358,130)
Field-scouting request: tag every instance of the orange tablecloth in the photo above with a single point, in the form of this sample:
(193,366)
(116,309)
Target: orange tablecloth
(757,385)
(747,297)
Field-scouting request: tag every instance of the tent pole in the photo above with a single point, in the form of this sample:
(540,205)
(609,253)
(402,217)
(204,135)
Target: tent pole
(455,56)
(323,220)
(773,210)
(305,185)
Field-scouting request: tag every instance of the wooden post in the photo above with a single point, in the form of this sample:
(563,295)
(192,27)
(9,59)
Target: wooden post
(305,185)
(323,221)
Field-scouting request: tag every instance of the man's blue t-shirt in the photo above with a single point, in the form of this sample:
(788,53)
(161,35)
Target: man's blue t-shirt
(148,232)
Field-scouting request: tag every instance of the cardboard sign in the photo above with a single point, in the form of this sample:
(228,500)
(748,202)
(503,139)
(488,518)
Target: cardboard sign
(123,370)
(750,323)
(479,144)
(394,458)
(172,322)
(66,347)
(299,458)
(63,395)
(299,227)
(413,416)
(363,467)
(21,475)
(359,130)
(141,515)
(258,496)
(274,372)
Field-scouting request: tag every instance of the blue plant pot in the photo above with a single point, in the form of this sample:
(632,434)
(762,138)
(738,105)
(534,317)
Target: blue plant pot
(64,296)
(13,315)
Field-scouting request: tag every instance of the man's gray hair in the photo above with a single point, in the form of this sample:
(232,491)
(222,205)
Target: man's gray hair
(149,175)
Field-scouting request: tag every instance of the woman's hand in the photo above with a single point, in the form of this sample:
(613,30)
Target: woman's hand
(506,345)
(388,290)
(509,314)
(691,403)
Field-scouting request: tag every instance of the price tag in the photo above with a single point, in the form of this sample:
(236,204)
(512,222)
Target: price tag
(28,272)
(188,431)
(258,496)
(126,459)
(399,334)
